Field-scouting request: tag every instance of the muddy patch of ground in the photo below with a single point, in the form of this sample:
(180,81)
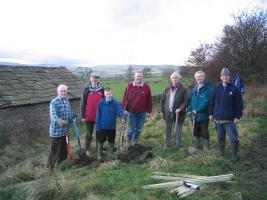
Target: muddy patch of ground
(136,154)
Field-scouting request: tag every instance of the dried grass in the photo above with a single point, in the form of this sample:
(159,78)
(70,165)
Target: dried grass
(161,164)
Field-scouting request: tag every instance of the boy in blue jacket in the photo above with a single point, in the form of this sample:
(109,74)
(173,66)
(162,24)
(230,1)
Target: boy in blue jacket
(107,112)
(225,109)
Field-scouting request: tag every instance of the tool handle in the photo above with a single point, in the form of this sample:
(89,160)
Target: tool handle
(68,146)
(79,142)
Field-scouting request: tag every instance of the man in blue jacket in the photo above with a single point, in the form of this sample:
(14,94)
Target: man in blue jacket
(107,112)
(225,109)
(198,110)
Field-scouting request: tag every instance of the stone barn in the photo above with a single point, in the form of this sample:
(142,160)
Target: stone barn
(25,94)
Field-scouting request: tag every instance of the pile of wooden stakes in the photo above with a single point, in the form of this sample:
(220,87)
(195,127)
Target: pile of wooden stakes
(183,184)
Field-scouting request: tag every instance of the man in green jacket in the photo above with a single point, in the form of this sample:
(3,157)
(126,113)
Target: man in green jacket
(173,104)
(198,110)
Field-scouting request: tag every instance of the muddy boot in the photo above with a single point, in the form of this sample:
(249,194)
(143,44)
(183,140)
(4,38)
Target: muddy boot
(197,143)
(88,147)
(112,155)
(100,152)
(234,151)
(205,143)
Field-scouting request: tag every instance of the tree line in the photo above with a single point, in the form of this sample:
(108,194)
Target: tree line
(242,48)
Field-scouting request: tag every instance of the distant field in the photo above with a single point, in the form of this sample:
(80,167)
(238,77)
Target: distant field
(157,85)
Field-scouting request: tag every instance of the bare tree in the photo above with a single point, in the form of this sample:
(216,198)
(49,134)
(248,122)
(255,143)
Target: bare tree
(167,71)
(84,73)
(129,74)
(147,72)
(200,56)
(243,47)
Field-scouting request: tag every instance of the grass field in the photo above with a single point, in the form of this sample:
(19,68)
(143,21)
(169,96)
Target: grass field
(157,85)
(26,176)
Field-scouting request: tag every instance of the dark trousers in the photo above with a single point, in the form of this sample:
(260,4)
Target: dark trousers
(89,134)
(58,151)
(201,129)
(105,134)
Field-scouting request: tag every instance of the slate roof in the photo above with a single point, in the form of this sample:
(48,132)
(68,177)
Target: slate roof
(31,85)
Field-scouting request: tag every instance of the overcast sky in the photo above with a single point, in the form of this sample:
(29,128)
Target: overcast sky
(92,32)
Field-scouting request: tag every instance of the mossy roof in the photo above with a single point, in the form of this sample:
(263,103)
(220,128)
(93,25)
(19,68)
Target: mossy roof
(23,85)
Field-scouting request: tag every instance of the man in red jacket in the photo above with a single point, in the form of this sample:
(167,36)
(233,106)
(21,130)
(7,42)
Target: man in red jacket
(137,102)
(91,96)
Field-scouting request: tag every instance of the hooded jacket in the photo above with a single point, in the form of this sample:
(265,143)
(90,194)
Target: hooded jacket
(89,101)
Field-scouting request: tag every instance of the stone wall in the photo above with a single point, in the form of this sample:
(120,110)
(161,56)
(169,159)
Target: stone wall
(30,120)
(33,120)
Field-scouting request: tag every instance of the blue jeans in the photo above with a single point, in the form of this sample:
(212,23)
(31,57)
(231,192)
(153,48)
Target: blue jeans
(135,124)
(231,131)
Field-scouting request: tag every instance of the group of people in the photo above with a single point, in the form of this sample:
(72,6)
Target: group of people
(222,104)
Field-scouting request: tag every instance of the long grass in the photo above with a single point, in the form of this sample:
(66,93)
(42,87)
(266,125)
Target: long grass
(24,174)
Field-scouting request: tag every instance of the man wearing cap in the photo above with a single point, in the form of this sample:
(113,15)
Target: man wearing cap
(91,96)
(225,109)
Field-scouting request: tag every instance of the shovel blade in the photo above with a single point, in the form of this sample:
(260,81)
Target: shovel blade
(82,154)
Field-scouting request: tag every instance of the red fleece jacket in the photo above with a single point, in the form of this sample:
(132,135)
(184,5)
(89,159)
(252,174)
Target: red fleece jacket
(137,99)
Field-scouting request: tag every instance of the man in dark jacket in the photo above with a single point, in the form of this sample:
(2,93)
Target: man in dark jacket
(198,110)
(137,103)
(225,109)
(173,104)
(91,96)
(108,111)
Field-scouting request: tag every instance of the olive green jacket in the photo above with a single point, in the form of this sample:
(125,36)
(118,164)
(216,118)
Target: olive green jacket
(180,102)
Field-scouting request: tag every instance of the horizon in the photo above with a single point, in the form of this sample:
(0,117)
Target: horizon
(86,33)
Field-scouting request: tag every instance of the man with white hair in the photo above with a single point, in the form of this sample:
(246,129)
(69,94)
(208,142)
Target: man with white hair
(198,110)
(59,118)
(173,104)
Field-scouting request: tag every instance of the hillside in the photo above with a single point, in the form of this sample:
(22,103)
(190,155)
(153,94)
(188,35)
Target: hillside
(23,173)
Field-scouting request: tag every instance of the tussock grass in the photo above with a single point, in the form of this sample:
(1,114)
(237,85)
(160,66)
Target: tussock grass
(24,174)
(160,164)
(205,158)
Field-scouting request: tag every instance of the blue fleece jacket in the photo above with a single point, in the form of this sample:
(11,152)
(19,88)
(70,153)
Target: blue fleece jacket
(226,103)
(107,113)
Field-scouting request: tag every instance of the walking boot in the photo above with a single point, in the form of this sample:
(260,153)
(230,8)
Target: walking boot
(112,155)
(100,152)
(88,146)
(197,143)
(234,151)
(205,143)
(134,141)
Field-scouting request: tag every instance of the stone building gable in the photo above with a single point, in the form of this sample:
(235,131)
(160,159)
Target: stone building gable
(32,85)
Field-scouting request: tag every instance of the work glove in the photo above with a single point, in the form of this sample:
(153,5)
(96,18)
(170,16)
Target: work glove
(62,122)
(124,118)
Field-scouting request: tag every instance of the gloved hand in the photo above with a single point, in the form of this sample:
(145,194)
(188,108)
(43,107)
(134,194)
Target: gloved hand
(62,122)
(124,118)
